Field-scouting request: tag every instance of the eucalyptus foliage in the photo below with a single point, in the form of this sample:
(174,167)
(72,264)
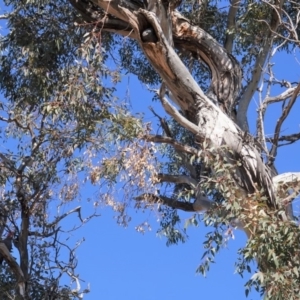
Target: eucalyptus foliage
(63,127)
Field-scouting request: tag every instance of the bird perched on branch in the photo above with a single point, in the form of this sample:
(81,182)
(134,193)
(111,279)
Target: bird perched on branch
(8,243)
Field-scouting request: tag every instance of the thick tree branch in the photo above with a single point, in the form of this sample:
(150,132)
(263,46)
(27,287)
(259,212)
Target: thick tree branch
(177,179)
(281,97)
(151,198)
(258,67)
(201,204)
(23,239)
(287,186)
(290,139)
(173,112)
(234,6)
(288,179)
(94,15)
(113,7)
(9,15)
(225,70)
(261,129)
(15,268)
(166,140)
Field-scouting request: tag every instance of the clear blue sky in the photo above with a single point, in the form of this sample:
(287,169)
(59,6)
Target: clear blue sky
(120,263)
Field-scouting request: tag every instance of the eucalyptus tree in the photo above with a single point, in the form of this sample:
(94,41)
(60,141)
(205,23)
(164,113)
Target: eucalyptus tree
(208,59)
(205,62)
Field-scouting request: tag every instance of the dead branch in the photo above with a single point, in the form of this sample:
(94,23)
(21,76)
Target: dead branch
(290,139)
(58,219)
(285,113)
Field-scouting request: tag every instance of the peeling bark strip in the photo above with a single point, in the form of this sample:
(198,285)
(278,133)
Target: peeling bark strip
(225,70)
(201,116)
